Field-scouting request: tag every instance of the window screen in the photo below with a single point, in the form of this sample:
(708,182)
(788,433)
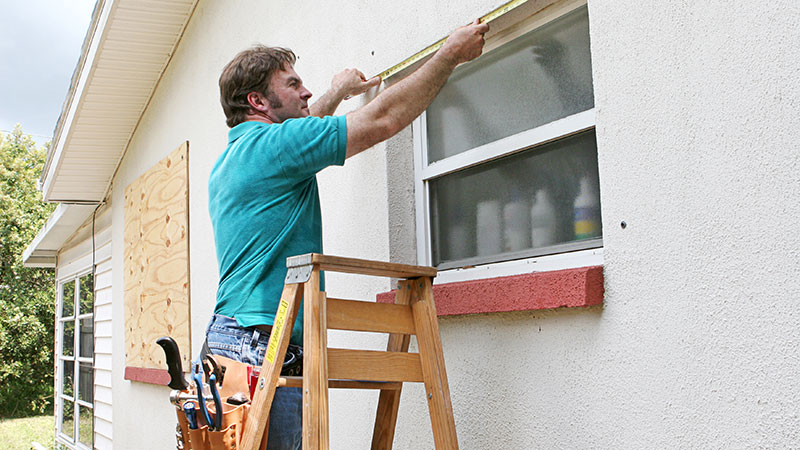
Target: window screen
(511,190)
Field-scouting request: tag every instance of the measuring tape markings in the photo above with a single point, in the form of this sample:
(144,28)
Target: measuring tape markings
(429,50)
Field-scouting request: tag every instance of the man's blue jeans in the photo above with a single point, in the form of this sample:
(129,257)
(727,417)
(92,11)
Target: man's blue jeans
(248,345)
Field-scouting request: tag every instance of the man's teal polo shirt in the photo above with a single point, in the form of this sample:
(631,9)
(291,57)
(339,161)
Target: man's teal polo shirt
(264,206)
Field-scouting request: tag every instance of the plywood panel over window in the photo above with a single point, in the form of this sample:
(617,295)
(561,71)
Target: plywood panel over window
(157,261)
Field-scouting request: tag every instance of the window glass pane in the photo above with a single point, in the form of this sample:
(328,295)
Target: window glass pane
(86,294)
(536,199)
(86,382)
(68,299)
(67,418)
(68,339)
(87,337)
(537,78)
(85,426)
(68,378)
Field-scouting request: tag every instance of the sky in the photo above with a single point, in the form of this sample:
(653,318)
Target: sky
(40,43)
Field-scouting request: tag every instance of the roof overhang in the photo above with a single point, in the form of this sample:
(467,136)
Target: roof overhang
(127,48)
(62,224)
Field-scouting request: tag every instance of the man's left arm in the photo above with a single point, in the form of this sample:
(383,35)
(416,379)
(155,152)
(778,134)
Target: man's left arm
(348,83)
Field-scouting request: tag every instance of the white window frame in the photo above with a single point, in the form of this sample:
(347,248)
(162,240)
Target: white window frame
(424,172)
(75,318)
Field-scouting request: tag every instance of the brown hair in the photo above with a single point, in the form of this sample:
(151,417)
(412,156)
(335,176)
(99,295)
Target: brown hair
(250,70)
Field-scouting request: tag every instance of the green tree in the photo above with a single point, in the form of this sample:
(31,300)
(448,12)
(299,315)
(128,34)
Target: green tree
(27,295)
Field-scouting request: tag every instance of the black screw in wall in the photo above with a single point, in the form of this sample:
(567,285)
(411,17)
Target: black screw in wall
(623,224)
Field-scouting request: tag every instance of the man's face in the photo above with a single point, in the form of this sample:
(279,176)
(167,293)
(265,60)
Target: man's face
(288,97)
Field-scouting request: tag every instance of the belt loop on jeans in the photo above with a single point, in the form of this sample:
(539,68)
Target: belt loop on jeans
(254,338)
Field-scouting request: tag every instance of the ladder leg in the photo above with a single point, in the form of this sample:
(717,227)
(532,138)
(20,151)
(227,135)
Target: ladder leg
(430,351)
(389,400)
(324,435)
(256,425)
(315,363)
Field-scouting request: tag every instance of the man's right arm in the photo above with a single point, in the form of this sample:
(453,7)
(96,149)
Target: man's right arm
(397,106)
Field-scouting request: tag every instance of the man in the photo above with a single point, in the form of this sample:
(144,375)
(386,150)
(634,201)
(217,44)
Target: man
(263,197)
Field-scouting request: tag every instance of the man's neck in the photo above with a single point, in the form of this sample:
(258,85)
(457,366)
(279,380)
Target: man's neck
(259,118)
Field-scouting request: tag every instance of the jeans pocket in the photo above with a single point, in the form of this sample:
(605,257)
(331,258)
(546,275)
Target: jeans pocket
(224,344)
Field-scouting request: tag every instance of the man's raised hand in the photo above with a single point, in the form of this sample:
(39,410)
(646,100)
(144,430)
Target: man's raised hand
(466,43)
(351,82)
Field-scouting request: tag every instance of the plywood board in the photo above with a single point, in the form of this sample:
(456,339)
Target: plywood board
(157,261)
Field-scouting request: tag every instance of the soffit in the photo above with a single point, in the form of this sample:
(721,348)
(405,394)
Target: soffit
(127,48)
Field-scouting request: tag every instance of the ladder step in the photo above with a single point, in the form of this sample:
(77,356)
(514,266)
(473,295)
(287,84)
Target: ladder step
(374,365)
(360,266)
(344,384)
(357,315)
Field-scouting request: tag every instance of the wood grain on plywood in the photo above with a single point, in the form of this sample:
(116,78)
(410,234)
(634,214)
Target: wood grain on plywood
(156,261)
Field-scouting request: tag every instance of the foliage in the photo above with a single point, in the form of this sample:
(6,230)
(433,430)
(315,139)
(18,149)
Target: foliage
(27,295)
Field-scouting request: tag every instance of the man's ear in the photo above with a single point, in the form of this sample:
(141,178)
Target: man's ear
(258,101)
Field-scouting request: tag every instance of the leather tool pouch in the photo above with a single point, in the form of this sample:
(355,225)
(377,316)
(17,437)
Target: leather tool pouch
(234,417)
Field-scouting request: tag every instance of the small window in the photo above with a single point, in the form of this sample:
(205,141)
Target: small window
(75,371)
(507,156)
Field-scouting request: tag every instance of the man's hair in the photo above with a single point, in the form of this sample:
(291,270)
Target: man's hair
(250,70)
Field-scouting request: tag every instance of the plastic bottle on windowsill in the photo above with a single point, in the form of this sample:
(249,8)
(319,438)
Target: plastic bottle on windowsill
(516,223)
(587,210)
(489,228)
(459,237)
(543,220)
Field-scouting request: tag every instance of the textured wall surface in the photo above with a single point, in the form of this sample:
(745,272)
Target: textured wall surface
(696,344)
(698,154)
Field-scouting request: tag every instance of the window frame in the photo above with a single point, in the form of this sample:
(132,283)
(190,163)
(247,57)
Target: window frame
(557,257)
(75,318)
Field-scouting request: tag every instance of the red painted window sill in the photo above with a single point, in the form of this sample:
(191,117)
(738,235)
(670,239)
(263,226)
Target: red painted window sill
(152,376)
(539,290)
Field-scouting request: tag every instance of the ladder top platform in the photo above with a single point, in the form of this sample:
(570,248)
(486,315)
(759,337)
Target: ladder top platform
(360,266)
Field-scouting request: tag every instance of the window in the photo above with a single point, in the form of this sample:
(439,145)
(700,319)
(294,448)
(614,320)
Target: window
(75,372)
(506,156)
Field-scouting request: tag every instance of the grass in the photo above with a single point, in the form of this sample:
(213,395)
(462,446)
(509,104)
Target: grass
(17,434)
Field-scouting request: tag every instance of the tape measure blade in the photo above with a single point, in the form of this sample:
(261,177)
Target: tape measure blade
(431,49)
(413,59)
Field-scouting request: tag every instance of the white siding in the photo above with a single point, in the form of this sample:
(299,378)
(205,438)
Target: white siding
(77,256)
(102,394)
(102,348)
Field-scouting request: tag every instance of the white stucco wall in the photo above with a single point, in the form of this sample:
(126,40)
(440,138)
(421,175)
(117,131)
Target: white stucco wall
(698,154)
(696,344)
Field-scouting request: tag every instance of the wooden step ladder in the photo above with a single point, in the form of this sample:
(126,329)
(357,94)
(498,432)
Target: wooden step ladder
(412,313)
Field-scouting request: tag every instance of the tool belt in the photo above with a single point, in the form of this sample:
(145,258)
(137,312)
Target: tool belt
(238,384)
(293,362)
(195,432)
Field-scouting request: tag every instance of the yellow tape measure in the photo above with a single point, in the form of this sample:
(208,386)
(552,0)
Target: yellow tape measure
(429,50)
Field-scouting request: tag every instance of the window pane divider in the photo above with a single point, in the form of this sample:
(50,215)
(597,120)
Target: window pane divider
(557,129)
(421,194)
(85,404)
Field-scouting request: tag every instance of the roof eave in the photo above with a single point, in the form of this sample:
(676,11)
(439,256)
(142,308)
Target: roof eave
(60,226)
(70,106)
